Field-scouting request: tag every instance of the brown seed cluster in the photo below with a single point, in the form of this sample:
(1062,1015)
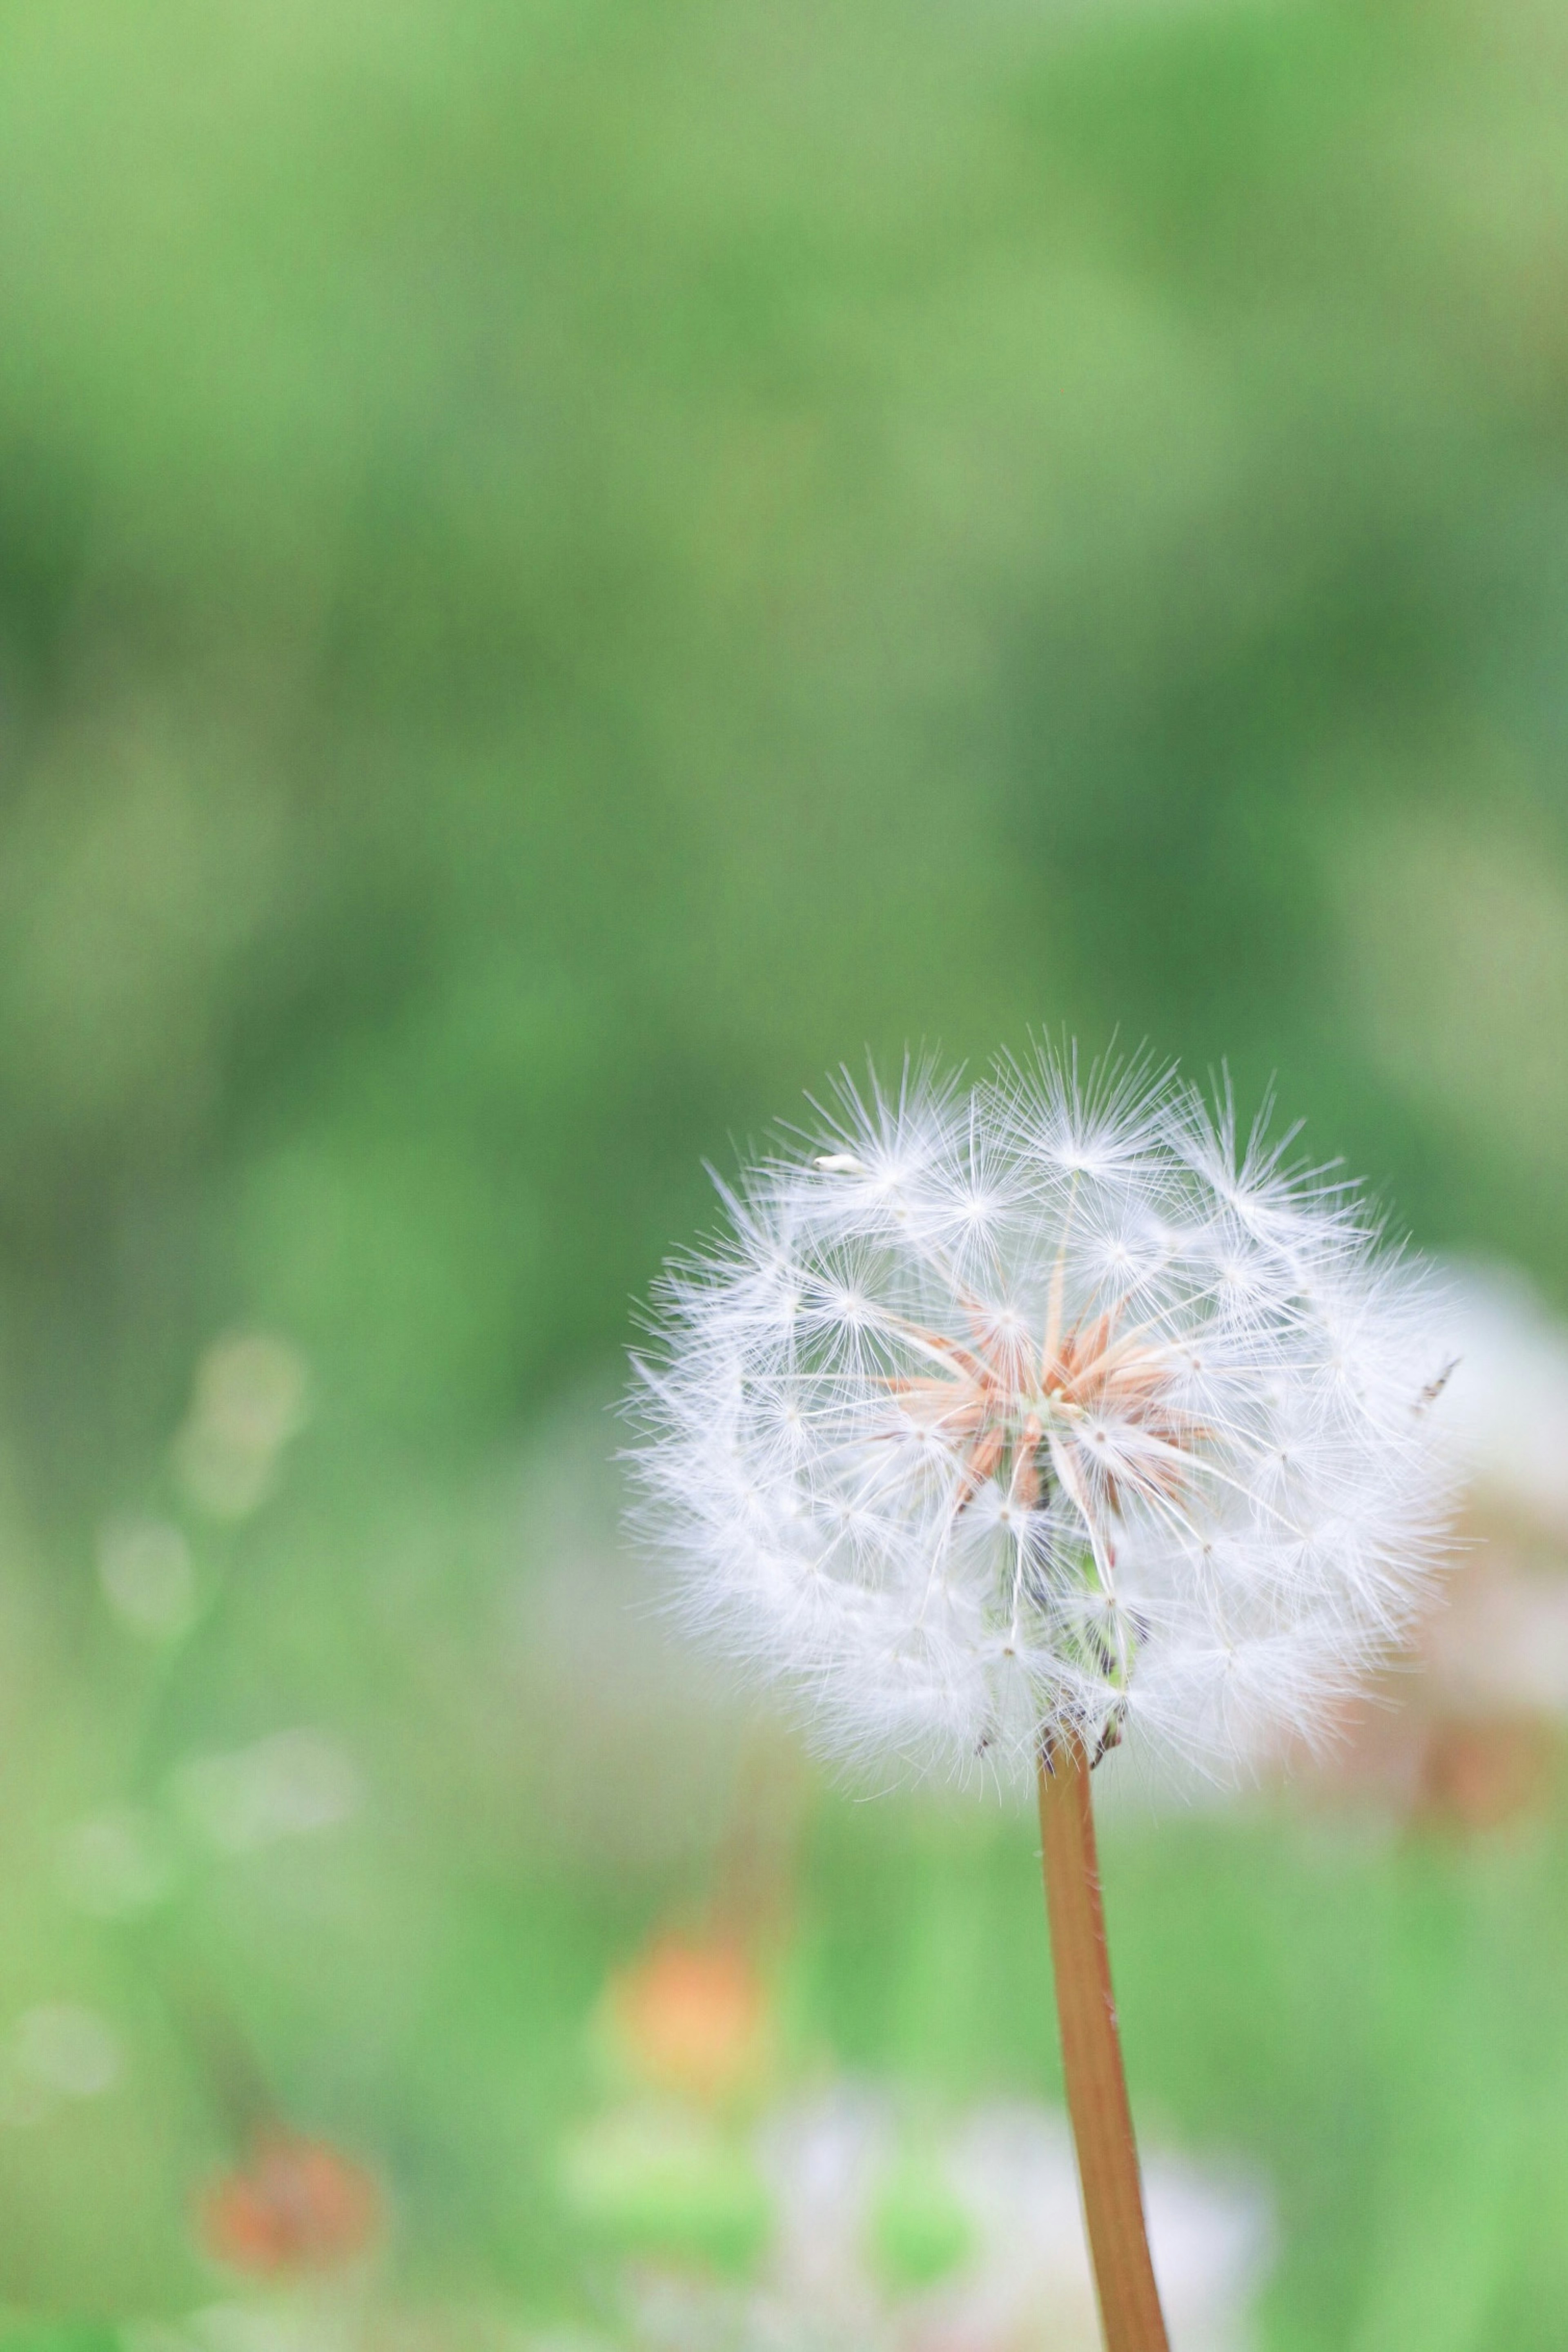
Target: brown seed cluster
(1091,1405)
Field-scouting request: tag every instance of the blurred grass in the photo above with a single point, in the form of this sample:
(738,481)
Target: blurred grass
(562,569)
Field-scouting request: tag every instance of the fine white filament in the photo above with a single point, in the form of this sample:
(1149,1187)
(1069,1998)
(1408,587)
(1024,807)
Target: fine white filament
(1045,1405)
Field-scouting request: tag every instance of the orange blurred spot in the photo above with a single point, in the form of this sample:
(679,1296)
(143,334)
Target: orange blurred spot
(297,2205)
(691,2017)
(1483,1773)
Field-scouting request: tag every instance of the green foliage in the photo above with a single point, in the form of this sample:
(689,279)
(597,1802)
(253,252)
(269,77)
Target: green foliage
(63,2336)
(560,573)
(674,2186)
(920,2230)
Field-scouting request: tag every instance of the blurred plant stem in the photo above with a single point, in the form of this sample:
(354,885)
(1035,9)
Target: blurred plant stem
(1091,2058)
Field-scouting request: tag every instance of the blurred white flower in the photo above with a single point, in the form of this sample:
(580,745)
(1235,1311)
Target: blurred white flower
(144,1568)
(116,1863)
(1014,2171)
(822,2159)
(1013,2271)
(290,1784)
(57,2051)
(1506,1408)
(1043,1407)
(251,1397)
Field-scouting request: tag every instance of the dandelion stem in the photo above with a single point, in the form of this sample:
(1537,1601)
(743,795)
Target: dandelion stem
(1091,2057)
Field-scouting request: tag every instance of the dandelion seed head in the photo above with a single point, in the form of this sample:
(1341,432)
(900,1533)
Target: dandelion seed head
(1052,1404)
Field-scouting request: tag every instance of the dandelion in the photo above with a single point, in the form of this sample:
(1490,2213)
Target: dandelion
(1009,1422)
(1041,1411)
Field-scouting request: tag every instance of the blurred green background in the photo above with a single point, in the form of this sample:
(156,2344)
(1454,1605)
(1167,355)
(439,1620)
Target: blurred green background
(564,568)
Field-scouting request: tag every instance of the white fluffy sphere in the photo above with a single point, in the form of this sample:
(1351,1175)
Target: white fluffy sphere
(1040,1407)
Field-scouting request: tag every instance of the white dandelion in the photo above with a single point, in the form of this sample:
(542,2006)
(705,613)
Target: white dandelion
(1009,1423)
(1045,1409)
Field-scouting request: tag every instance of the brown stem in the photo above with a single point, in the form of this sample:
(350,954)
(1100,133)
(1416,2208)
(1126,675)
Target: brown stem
(1091,2058)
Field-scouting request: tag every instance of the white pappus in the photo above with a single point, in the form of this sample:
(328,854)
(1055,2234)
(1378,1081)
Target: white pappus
(1045,1406)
